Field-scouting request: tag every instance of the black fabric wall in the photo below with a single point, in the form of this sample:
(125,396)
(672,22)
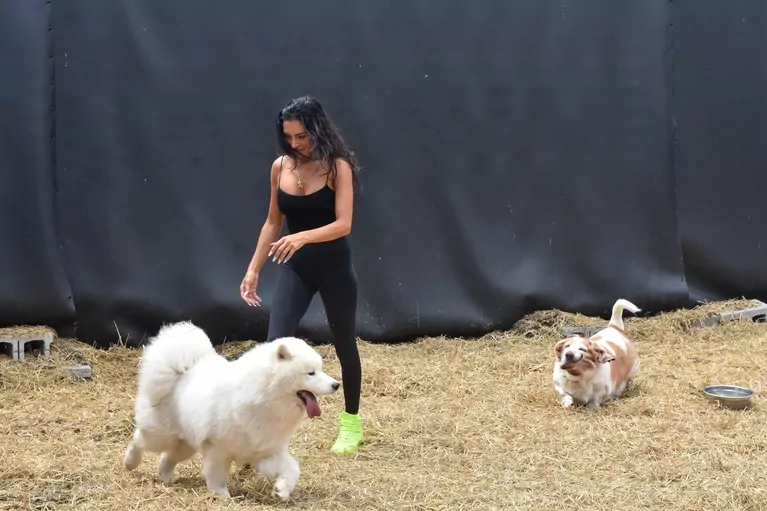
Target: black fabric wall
(517,156)
(33,285)
(720,96)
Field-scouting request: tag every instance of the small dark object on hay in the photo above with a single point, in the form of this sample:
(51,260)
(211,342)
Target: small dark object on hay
(730,396)
(83,372)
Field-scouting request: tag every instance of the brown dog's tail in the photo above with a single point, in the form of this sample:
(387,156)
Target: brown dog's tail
(616,319)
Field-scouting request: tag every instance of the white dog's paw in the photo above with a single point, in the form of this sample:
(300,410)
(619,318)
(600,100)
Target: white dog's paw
(282,489)
(132,458)
(566,401)
(165,471)
(166,476)
(222,492)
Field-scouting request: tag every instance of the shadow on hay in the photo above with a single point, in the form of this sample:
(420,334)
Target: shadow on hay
(246,486)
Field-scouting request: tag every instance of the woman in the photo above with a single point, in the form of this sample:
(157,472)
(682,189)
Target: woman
(312,188)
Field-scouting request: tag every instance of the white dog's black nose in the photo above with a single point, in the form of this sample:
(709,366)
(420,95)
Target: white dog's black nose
(336,385)
(569,356)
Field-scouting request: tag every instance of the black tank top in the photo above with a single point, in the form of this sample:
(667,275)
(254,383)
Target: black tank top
(315,261)
(305,212)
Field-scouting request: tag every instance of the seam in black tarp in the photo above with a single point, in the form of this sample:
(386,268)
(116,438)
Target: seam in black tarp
(51,51)
(672,117)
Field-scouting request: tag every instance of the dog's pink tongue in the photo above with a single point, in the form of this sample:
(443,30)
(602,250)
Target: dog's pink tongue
(312,406)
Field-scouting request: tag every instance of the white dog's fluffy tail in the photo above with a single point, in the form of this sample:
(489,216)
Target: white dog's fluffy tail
(173,351)
(616,319)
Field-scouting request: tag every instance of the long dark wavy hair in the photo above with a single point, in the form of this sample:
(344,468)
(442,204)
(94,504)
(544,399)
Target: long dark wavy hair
(327,143)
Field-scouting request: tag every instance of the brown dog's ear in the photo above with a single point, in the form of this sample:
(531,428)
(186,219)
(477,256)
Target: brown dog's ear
(558,347)
(283,353)
(601,355)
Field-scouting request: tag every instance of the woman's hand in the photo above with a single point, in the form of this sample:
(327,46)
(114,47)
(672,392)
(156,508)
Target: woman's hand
(284,248)
(248,289)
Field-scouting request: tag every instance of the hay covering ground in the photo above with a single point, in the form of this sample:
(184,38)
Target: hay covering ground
(451,424)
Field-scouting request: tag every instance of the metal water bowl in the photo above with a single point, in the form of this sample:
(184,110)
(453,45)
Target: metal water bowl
(730,396)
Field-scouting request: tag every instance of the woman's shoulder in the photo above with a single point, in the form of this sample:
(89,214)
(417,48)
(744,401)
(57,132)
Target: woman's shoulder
(282,161)
(342,165)
(277,167)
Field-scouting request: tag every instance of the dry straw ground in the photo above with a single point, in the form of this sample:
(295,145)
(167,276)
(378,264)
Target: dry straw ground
(451,424)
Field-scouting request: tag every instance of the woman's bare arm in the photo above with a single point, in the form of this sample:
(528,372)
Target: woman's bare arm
(272,227)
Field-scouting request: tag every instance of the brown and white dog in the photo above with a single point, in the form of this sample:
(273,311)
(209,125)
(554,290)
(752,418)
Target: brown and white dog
(590,372)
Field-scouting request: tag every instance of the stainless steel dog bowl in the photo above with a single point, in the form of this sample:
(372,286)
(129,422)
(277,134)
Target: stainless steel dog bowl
(730,396)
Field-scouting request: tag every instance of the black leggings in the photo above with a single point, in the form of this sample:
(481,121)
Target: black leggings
(336,282)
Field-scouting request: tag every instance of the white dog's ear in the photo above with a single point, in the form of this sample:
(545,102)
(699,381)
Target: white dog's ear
(283,353)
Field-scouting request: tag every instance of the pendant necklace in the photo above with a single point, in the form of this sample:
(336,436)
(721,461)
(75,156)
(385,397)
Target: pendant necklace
(298,176)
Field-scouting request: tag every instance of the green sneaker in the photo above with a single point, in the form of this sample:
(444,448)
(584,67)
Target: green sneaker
(349,434)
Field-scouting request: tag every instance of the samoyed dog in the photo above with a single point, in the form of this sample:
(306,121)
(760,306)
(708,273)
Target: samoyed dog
(192,400)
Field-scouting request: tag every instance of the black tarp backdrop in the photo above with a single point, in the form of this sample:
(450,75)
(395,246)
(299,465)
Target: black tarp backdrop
(720,100)
(518,156)
(33,286)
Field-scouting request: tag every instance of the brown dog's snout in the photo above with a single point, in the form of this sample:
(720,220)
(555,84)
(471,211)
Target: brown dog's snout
(569,356)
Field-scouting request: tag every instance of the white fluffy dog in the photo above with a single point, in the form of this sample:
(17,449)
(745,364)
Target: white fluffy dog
(191,399)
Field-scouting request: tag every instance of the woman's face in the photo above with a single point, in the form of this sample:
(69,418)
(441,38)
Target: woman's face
(297,137)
